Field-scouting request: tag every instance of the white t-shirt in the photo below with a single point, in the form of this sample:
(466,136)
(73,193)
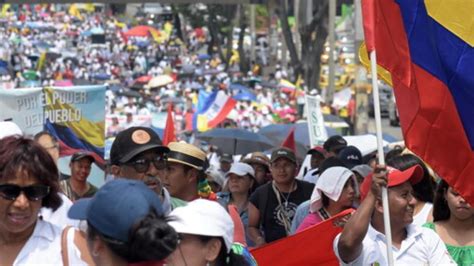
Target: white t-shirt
(44,247)
(59,217)
(422,217)
(421,247)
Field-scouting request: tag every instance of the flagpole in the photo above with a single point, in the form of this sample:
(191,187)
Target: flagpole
(378,126)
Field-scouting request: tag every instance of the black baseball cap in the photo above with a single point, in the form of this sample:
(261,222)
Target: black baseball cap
(283,153)
(351,156)
(335,143)
(226,157)
(81,155)
(133,141)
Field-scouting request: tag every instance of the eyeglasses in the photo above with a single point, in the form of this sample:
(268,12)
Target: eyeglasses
(142,165)
(33,193)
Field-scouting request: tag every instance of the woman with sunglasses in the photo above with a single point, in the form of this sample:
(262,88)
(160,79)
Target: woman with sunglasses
(28,181)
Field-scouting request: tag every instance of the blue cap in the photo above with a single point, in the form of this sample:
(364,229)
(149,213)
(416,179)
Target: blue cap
(116,207)
(351,156)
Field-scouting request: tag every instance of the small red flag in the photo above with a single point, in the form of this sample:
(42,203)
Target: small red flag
(289,142)
(368,12)
(169,135)
(298,249)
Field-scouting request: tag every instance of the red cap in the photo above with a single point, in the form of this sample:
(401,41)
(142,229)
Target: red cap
(396,177)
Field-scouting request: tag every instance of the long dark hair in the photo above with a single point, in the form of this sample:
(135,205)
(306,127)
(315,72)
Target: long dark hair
(19,154)
(441,210)
(424,190)
(150,239)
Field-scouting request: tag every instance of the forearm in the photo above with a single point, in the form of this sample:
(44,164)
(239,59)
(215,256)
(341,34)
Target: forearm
(350,242)
(256,236)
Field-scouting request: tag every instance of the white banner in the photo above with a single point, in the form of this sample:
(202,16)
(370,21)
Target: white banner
(317,131)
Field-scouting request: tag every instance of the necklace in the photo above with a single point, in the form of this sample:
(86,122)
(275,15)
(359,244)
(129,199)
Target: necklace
(280,194)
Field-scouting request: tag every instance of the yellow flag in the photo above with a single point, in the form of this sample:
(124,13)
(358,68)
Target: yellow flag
(41,61)
(202,123)
(74,11)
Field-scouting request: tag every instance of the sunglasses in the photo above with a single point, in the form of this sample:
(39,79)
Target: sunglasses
(32,193)
(142,165)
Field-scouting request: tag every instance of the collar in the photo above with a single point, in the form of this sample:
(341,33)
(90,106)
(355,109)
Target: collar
(412,232)
(43,230)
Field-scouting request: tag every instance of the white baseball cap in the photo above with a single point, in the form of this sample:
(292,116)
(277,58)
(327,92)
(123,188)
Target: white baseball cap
(241,169)
(8,128)
(205,218)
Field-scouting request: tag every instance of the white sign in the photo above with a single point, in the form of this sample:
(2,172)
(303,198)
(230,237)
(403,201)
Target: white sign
(317,130)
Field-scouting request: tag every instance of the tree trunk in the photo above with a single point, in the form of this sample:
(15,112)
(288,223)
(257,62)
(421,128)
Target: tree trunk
(244,62)
(288,35)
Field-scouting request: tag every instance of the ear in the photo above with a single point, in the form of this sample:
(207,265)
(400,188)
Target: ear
(213,248)
(192,175)
(115,170)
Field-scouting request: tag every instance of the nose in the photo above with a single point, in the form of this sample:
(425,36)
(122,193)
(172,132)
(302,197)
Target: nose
(21,202)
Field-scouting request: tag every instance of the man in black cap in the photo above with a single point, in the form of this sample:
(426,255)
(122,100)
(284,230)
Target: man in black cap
(225,162)
(77,186)
(334,145)
(272,206)
(138,153)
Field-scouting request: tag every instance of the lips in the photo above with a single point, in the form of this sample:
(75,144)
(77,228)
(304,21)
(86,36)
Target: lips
(18,218)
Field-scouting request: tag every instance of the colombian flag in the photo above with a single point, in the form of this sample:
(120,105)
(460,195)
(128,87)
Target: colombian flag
(427,46)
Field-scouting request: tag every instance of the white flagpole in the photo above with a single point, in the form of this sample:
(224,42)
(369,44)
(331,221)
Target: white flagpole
(378,126)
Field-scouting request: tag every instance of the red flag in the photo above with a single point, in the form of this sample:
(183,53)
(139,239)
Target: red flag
(368,13)
(289,142)
(430,64)
(169,135)
(312,246)
(239,229)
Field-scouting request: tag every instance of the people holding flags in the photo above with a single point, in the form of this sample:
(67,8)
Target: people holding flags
(362,242)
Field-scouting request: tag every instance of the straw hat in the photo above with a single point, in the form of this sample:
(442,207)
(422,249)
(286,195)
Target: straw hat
(187,154)
(258,158)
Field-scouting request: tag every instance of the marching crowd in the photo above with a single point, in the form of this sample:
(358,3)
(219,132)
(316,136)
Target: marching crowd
(167,206)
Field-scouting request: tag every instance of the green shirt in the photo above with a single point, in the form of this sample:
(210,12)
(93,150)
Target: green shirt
(175,203)
(463,256)
(73,196)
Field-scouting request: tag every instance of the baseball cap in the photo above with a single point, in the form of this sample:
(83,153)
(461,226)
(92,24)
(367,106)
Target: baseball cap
(241,169)
(317,149)
(81,155)
(283,153)
(334,143)
(9,128)
(133,141)
(331,183)
(396,177)
(226,157)
(205,218)
(362,169)
(116,207)
(351,156)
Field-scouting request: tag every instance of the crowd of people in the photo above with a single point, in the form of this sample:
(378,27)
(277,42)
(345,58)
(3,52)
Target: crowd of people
(178,204)
(160,206)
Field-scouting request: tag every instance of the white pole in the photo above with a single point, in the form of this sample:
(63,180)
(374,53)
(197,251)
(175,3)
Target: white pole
(378,126)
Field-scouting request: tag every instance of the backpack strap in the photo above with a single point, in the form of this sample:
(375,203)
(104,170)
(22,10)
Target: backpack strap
(263,201)
(64,251)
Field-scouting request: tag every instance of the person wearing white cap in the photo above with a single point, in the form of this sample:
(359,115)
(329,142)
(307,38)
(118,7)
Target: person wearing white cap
(241,181)
(206,234)
(334,192)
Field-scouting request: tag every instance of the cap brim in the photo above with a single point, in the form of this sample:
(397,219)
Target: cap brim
(413,175)
(143,148)
(283,156)
(84,156)
(78,210)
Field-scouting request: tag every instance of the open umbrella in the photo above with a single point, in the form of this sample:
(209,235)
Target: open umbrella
(245,96)
(4,71)
(30,75)
(144,79)
(101,76)
(160,81)
(278,132)
(235,140)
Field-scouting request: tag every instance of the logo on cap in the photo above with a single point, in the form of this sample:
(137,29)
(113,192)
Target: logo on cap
(282,152)
(140,137)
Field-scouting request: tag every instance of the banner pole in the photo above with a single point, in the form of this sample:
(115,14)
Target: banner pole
(378,126)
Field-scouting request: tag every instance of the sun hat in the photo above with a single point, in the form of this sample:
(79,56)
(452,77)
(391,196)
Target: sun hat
(116,207)
(187,154)
(331,183)
(205,218)
(257,158)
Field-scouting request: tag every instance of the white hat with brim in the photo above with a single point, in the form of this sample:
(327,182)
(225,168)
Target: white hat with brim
(204,218)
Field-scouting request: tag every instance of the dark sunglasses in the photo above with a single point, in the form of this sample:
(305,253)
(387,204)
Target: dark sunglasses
(142,165)
(32,193)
